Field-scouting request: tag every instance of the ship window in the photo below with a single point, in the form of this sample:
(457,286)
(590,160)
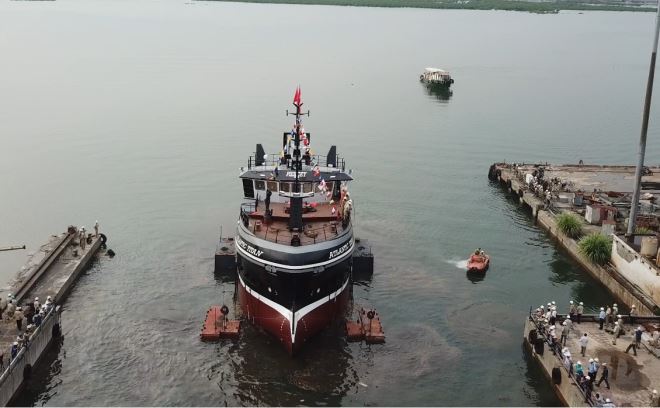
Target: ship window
(285,187)
(272,186)
(259,185)
(308,187)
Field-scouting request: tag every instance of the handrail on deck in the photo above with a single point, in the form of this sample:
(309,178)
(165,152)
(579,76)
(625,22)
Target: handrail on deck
(275,160)
(540,332)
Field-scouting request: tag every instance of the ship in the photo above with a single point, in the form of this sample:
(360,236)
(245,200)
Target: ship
(294,237)
(436,76)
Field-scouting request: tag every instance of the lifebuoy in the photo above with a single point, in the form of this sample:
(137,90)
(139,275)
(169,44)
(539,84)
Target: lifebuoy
(224,310)
(371,314)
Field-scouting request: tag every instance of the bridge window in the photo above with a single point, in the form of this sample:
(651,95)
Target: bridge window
(272,186)
(259,185)
(308,187)
(285,187)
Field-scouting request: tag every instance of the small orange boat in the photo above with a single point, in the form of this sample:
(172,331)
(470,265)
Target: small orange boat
(478,262)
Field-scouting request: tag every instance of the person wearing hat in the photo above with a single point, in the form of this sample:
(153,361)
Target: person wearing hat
(579,372)
(583,344)
(620,321)
(572,310)
(615,332)
(83,238)
(615,309)
(11,308)
(591,368)
(37,305)
(601,318)
(655,399)
(553,315)
(608,316)
(18,316)
(587,386)
(638,335)
(13,351)
(96,223)
(604,377)
(580,310)
(632,314)
(563,333)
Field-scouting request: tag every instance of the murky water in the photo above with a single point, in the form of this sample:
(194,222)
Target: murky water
(139,114)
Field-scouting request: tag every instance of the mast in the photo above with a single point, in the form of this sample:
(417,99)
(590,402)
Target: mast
(645,126)
(296,211)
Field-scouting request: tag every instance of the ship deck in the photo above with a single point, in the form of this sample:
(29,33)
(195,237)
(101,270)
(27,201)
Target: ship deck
(320,224)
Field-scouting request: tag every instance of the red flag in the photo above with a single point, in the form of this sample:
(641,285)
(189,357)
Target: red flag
(296,97)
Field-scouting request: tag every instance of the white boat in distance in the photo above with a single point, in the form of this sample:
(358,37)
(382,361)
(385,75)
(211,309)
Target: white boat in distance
(436,76)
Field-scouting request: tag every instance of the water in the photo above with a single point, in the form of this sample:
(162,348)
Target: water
(139,114)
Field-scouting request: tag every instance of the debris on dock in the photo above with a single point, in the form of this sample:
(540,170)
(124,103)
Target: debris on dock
(218,326)
(367,327)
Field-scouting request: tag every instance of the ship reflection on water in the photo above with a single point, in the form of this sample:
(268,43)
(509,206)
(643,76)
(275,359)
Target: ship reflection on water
(442,93)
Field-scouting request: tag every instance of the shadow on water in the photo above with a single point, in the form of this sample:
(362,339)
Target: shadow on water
(535,379)
(440,92)
(40,388)
(475,276)
(585,288)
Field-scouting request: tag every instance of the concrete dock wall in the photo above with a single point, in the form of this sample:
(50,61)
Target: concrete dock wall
(636,268)
(12,379)
(623,290)
(566,391)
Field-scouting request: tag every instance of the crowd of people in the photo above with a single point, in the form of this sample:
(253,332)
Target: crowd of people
(557,329)
(27,317)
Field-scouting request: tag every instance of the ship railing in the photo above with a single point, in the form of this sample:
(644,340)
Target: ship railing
(275,160)
(318,234)
(247,209)
(555,348)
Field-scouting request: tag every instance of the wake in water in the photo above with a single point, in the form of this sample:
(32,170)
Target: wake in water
(460,264)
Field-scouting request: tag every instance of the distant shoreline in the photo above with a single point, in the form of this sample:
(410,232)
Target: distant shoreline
(508,5)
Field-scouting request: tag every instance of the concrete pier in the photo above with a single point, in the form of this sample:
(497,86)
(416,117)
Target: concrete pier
(632,378)
(626,286)
(50,272)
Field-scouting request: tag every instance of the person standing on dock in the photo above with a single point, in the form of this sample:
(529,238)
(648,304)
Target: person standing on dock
(604,377)
(608,316)
(580,310)
(638,335)
(562,334)
(601,318)
(584,340)
(11,308)
(615,333)
(13,352)
(82,238)
(572,311)
(615,311)
(96,226)
(633,346)
(18,316)
(632,314)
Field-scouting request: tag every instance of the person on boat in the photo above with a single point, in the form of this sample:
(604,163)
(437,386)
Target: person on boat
(476,257)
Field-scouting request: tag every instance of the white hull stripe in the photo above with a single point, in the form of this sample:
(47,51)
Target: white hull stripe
(297,267)
(286,313)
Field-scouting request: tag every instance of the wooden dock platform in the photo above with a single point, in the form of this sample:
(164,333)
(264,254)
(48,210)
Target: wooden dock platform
(52,272)
(367,327)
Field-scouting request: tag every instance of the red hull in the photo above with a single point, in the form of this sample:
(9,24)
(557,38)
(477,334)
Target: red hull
(262,315)
(478,266)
